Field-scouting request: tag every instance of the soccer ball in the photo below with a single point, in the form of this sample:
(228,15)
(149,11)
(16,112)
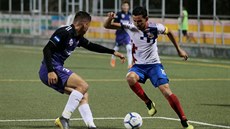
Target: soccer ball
(133,121)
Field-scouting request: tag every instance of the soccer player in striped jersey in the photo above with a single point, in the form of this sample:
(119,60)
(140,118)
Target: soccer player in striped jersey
(53,73)
(147,64)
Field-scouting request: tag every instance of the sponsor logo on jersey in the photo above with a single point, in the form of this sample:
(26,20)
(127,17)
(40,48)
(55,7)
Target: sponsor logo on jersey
(56,38)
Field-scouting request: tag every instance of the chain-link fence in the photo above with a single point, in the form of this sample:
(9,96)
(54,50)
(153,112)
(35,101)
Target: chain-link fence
(42,17)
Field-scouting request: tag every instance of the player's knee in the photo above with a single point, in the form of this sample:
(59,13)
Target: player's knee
(82,87)
(131,78)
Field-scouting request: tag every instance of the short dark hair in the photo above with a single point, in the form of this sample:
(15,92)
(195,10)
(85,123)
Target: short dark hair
(140,11)
(81,15)
(125,2)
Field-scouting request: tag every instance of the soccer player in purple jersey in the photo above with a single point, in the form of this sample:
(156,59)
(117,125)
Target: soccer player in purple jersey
(147,64)
(122,37)
(53,73)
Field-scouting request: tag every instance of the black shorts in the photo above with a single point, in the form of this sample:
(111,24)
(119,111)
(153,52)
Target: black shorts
(184,32)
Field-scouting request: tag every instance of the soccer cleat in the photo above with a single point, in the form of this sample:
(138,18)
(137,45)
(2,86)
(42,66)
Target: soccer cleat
(62,123)
(186,125)
(151,108)
(91,126)
(113,63)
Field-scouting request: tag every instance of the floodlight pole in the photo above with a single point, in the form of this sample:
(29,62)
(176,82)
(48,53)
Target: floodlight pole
(163,14)
(131,5)
(214,21)
(22,10)
(10,18)
(115,5)
(181,9)
(198,19)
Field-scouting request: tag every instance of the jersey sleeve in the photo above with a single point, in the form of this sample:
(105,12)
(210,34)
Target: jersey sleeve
(94,47)
(128,27)
(117,19)
(161,29)
(59,37)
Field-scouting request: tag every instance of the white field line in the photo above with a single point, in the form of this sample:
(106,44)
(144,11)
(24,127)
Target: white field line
(117,118)
(120,80)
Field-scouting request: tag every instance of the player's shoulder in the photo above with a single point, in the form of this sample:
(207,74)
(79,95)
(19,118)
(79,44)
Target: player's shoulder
(65,30)
(119,13)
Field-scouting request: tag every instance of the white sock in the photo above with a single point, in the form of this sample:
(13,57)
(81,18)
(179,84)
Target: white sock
(74,99)
(116,48)
(129,54)
(86,114)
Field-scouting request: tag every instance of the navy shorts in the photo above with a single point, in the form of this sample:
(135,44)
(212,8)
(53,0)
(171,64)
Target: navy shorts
(62,73)
(122,40)
(154,72)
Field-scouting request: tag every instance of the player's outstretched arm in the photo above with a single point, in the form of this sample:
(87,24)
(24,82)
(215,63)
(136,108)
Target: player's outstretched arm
(100,49)
(109,24)
(180,51)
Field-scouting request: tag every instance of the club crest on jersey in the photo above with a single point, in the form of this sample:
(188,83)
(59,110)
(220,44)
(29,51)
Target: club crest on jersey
(122,15)
(56,38)
(70,42)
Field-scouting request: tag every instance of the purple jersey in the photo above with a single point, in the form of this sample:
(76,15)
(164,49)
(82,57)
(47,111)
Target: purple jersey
(122,36)
(60,46)
(66,41)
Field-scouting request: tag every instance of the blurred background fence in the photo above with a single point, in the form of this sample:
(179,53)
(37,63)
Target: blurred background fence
(209,20)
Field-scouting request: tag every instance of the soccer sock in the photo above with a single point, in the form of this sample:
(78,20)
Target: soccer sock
(129,53)
(175,104)
(72,103)
(116,48)
(86,114)
(140,92)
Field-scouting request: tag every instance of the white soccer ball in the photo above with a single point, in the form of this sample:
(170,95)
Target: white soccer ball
(133,121)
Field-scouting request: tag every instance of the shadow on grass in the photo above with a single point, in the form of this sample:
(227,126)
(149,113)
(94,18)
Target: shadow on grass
(88,68)
(217,105)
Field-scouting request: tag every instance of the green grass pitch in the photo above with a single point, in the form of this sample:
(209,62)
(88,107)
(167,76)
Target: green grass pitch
(202,85)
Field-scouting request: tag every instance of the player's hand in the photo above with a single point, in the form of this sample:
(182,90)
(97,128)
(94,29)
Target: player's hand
(183,54)
(52,78)
(111,15)
(121,56)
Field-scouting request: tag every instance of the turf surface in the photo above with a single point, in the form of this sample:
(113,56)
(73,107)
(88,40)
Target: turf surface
(202,85)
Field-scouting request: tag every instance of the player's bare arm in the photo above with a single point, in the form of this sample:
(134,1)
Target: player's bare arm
(180,51)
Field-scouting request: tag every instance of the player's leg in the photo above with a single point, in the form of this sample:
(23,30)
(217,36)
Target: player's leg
(77,87)
(86,112)
(113,58)
(185,33)
(159,79)
(132,78)
(129,54)
(175,104)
